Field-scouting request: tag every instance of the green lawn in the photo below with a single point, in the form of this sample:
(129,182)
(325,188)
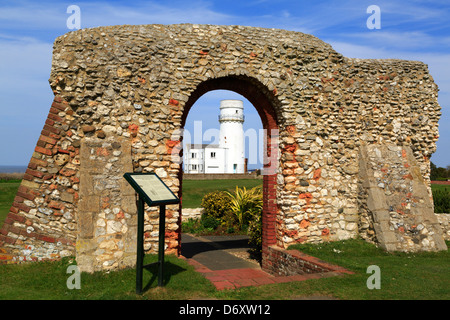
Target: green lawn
(8,190)
(422,276)
(411,276)
(48,281)
(440,187)
(441,198)
(418,276)
(194,190)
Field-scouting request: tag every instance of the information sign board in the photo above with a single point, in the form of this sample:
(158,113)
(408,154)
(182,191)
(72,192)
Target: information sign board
(151,188)
(153,191)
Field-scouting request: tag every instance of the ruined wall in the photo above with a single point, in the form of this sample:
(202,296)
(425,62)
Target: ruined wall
(137,83)
(396,210)
(354,103)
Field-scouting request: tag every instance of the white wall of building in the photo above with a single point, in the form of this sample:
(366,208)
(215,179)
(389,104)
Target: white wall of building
(214,160)
(194,160)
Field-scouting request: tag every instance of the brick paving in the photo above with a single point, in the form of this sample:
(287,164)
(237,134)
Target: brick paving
(209,257)
(246,277)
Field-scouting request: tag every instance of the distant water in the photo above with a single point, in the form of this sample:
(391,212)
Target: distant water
(13,169)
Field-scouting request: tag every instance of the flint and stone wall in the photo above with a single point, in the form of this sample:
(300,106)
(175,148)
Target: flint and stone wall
(122,94)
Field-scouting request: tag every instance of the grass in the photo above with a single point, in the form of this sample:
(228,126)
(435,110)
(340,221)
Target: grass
(194,190)
(8,190)
(441,198)
(409,276)
(48,281)
(414,276)
(418,276)
(445,187)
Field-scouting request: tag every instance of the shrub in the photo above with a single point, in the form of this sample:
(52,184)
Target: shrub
(216,204)
(255,232)
(210,222)
(441,198)
(234,212)
(245,203)
(191,225)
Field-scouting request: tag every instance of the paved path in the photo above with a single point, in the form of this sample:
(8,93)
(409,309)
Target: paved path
(213,251)
(209,256)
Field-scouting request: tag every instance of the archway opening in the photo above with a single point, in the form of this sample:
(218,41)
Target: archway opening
(264,102)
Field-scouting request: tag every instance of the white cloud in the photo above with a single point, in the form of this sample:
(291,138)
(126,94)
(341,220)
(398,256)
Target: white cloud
(31,16)
(392,41)
(24,72)
(412,12)
(26,95)
(45,15)
(97,14)
(439,68)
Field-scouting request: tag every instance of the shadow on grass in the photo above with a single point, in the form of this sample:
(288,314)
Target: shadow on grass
(170,270)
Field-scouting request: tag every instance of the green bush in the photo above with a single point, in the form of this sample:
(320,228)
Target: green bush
(255,232)
(441,198)
(246,206)
(191,225)
(216,204)
(203,226)
(231,213)
(245,203)
(209,222)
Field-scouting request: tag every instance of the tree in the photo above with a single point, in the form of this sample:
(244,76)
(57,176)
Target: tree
(433,171)
(437,173)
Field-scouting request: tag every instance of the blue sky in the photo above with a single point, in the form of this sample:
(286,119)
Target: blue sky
(412,30)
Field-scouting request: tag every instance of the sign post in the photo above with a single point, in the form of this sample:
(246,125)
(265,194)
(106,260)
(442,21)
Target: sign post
(153,191)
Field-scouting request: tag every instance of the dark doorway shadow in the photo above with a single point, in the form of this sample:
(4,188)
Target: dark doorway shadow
(191,246)
(217,252)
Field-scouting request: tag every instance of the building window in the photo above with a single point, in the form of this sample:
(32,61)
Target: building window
(193,155)
(194,167)
(213,155)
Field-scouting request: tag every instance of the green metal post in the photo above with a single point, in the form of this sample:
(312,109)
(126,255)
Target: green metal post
(162,231)
(140,246)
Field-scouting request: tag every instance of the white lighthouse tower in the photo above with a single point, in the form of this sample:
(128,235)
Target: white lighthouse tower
(231,120)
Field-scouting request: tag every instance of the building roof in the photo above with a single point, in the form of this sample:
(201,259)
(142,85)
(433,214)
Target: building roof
(201,146)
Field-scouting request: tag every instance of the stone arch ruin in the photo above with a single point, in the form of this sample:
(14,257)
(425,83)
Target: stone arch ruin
(350,157)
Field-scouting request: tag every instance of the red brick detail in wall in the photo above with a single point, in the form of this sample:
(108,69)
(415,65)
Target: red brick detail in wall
(28,190)
(269,210)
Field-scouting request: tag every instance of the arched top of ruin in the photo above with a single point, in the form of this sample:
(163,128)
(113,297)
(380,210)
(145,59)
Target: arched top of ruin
(205,33)
(183,56)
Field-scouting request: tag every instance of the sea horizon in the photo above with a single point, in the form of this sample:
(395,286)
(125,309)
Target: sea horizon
(13,169)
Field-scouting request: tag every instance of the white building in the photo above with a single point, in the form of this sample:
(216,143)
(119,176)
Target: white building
(228,156)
